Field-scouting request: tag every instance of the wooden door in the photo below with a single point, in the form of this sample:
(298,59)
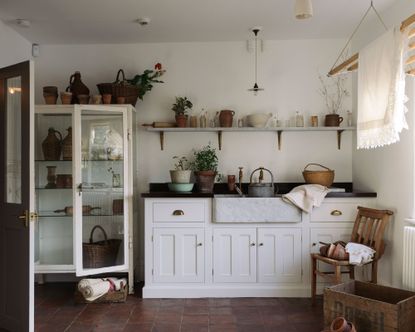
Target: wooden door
(16,231)
(234,255)
(279,255)
(178,255)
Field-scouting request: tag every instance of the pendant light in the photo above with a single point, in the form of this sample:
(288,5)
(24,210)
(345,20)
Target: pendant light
(256,88)
(303,9)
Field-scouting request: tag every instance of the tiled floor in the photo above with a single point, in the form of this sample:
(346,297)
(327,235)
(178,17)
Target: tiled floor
(55,311)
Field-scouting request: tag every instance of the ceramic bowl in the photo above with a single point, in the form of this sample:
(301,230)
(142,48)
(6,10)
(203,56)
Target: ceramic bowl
(180,187)
(257,120)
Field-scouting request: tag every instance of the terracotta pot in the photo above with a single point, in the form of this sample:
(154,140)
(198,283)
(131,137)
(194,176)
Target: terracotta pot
(50,90)
(181,120)
(205,181)
(339,325)
(51,145)
(96,99)
(333,120)
(106,98)
(50,99)
(120,100)
(67,145)
(66,98)
(83,99)
(226,118)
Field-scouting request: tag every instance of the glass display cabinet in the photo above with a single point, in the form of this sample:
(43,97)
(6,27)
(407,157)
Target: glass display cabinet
(84,189)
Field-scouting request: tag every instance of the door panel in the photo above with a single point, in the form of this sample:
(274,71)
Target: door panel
(234,255)
(178,255)
(279,255)
(16,266)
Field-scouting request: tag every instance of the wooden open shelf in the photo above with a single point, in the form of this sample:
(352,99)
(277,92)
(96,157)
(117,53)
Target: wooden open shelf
(278,130)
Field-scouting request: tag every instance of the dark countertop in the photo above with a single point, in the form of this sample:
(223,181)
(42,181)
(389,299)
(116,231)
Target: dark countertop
(159,190)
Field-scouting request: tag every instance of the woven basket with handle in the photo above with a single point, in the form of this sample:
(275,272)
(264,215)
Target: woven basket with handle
(100,253)
(120,88)
(323,177)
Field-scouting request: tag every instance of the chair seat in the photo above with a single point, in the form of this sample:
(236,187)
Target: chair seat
(330,260)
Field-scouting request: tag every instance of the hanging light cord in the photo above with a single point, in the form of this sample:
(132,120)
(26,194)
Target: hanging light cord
(256,56)
(357,28)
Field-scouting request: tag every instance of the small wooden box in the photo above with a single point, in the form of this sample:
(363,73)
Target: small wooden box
(110,297)
(371,307)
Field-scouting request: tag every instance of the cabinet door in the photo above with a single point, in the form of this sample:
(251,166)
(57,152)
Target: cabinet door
(279,255)
(178,254)
(234,255)
(102,189)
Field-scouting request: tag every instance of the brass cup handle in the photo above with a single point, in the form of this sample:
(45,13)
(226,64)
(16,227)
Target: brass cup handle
(336,213)
(178,213)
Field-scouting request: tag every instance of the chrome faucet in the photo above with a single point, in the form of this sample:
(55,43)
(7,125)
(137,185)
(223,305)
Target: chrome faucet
(240,176)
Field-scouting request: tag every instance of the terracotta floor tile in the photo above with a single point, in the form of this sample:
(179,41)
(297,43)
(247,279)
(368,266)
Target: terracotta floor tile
(142,318)
(195,310)
(195,319)
(197,302)
(222,319)
(165,327)
(194,328)
(220,311)
(223,328)
(138,327)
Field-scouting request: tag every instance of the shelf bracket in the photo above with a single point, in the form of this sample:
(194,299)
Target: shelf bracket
(279,132)
(220,139)
(339,139)
(162,140)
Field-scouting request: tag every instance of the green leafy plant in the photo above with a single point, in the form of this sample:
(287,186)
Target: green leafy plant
(181,105)
(182,163)
(205,159)
(145,80)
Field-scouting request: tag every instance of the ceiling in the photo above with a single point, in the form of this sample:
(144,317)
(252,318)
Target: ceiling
(114,21)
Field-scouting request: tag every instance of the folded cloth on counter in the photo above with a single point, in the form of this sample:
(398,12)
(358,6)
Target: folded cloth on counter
(91,289)
(381,91)
(306,196)
(359,254)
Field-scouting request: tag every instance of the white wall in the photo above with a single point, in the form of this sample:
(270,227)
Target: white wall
(390,170)
(14,47)
(216,76)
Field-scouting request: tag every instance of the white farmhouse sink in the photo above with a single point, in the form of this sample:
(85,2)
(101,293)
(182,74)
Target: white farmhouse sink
(236,209)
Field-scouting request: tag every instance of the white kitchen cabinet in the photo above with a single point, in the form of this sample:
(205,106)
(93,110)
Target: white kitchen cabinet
(179,254)
(234,255)
(87,184)
(279,255)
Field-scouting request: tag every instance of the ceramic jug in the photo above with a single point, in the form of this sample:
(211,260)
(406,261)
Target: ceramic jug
(226,118)
(51,146)
(67,145)
(77,87)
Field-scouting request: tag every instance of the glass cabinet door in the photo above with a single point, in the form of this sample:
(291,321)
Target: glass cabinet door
(101,217)
(54,191)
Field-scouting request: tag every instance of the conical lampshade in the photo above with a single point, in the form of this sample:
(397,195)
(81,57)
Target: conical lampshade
(303,9)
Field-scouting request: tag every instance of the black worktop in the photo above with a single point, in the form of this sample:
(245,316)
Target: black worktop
(162,190)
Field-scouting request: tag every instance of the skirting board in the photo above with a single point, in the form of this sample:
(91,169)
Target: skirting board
(224,291)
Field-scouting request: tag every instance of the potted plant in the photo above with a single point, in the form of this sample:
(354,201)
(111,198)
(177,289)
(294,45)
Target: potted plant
(180,108)
(205,166)
(334,92)
(181,172)
(145,80)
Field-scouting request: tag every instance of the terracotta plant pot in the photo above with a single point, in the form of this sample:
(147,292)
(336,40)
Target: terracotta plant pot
(83,99)
(333,120)
(120,100)
(66,98)
(205,181)
(181,120)
(50,99)
(106,98)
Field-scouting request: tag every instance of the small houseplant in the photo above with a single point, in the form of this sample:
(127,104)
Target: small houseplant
(180,108)
(205,167)
(181,172)
(334,91)
(146,80)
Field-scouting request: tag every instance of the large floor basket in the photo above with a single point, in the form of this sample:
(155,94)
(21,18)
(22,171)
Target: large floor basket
(100,253)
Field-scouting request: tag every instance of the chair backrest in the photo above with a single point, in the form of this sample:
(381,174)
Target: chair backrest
(369,228)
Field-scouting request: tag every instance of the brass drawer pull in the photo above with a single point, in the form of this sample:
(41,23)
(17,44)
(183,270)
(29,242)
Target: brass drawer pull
(200,244)
(336,213)
(178,213)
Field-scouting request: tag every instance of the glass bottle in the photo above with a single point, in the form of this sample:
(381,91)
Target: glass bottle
(299,120)
(202,120)
(349,118)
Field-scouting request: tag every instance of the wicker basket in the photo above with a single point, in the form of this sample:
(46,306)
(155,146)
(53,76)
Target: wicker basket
(100,253)
(325,178)
(120,88)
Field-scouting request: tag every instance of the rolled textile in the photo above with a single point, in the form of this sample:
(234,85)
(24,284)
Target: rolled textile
(87,282)
(96,290)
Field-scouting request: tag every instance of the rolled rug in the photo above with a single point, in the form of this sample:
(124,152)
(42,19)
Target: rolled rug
(87,282)
(92,292)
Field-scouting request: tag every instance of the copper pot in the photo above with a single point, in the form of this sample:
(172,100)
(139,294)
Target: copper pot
(86,210)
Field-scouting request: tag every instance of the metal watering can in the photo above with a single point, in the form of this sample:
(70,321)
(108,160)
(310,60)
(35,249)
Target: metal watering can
(260,189)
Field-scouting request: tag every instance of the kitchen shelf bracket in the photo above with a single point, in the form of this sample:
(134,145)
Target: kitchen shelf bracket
(162,140)
(220,139)
(279,132)
(339,139)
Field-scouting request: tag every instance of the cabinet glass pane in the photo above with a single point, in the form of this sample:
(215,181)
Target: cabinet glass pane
(54,189)
(102,154)
(13,175)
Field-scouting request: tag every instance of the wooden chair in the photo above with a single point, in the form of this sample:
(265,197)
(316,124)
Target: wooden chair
(368,229)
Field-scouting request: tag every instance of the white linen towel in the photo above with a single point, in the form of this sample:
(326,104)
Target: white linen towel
(306,196)
(118,283)
(91,289)
(381,91)
(359,254)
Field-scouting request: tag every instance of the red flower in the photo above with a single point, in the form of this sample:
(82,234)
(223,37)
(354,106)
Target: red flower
(157,66)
